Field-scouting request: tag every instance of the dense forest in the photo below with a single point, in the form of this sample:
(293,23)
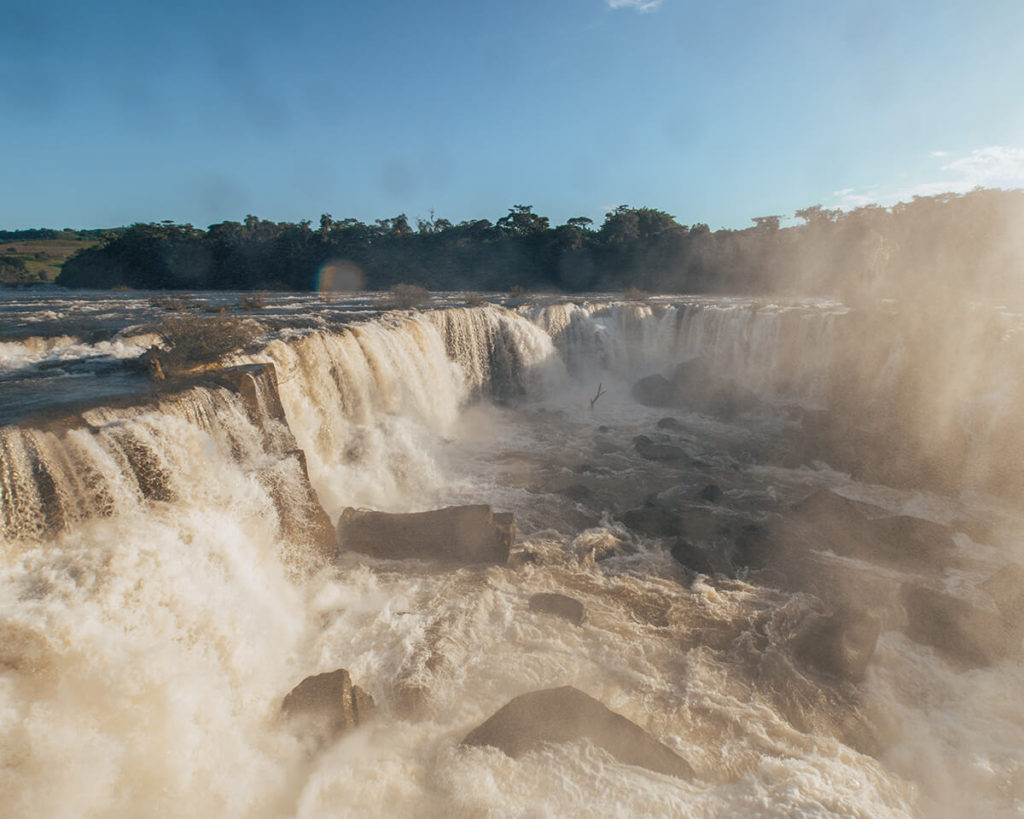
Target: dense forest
(969,242)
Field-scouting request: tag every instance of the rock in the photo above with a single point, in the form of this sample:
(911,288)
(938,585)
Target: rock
(670,423)
(700,560)
(653,521)
(459,534)
(655,391)
(844,526)
(841,644)
(567,714)
(325,705)
(659,452)
(524,557)
(712,493)
(963,633)
(559,605)
(577,492)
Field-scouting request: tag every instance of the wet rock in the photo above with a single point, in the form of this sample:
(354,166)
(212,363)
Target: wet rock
(559,605)
(848,528)
(701,560)
(325,705)
(566,714)
(712,493)
(459,534)
(577,492)
(670,423)
(524,557)
(841,644)
(653,521)
(963,633)
(659,452)
(655,391)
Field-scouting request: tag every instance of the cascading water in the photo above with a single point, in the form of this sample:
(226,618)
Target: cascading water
(162,583)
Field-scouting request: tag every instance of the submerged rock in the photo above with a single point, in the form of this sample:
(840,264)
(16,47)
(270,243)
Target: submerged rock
(325,705)
(566,714)
(841,644)
(659,452)
(459,534)
(577,492)
(559,605)
(712,493)
(670,423)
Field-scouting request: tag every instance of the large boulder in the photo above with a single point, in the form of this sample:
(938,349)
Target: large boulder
(457,534)
(325,705)
(656,391)
(841,644)
(566,714)
(559,605)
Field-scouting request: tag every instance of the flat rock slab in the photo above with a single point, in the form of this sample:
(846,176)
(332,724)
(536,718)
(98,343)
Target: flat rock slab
(458,534)
(566,714)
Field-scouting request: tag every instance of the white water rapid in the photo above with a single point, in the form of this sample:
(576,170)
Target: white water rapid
(164,580)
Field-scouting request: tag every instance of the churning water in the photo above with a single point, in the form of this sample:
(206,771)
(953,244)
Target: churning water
(159,592)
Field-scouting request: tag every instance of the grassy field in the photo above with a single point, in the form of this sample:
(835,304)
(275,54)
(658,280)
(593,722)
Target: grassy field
(42,258)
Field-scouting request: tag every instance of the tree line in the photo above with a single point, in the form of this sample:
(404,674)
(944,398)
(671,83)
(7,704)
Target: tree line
(963,242)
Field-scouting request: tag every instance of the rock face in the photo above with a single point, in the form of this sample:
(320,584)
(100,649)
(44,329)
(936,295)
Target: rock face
(323,706)
(457,534)
(559,605)
(842,643)
(567,714)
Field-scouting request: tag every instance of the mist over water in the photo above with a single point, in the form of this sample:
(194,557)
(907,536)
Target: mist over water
(156,603)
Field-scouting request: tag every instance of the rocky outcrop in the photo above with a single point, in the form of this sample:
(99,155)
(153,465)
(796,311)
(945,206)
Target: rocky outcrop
(323,706)
(559,605)
(566,714)
(456,534)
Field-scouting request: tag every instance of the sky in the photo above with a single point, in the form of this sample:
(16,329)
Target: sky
(716,111)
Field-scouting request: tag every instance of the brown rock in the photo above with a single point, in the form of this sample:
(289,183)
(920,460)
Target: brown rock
(458,534)
(566,714)
(325,705)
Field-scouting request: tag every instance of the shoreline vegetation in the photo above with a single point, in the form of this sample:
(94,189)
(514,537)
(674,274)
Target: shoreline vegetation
(966,244)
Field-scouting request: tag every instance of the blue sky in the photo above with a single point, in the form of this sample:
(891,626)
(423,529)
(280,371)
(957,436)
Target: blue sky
(716,111)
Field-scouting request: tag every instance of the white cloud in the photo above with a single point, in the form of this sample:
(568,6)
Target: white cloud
(995,166)
(637,5)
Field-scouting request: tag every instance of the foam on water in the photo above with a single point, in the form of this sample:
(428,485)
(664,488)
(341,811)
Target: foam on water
(151,619)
